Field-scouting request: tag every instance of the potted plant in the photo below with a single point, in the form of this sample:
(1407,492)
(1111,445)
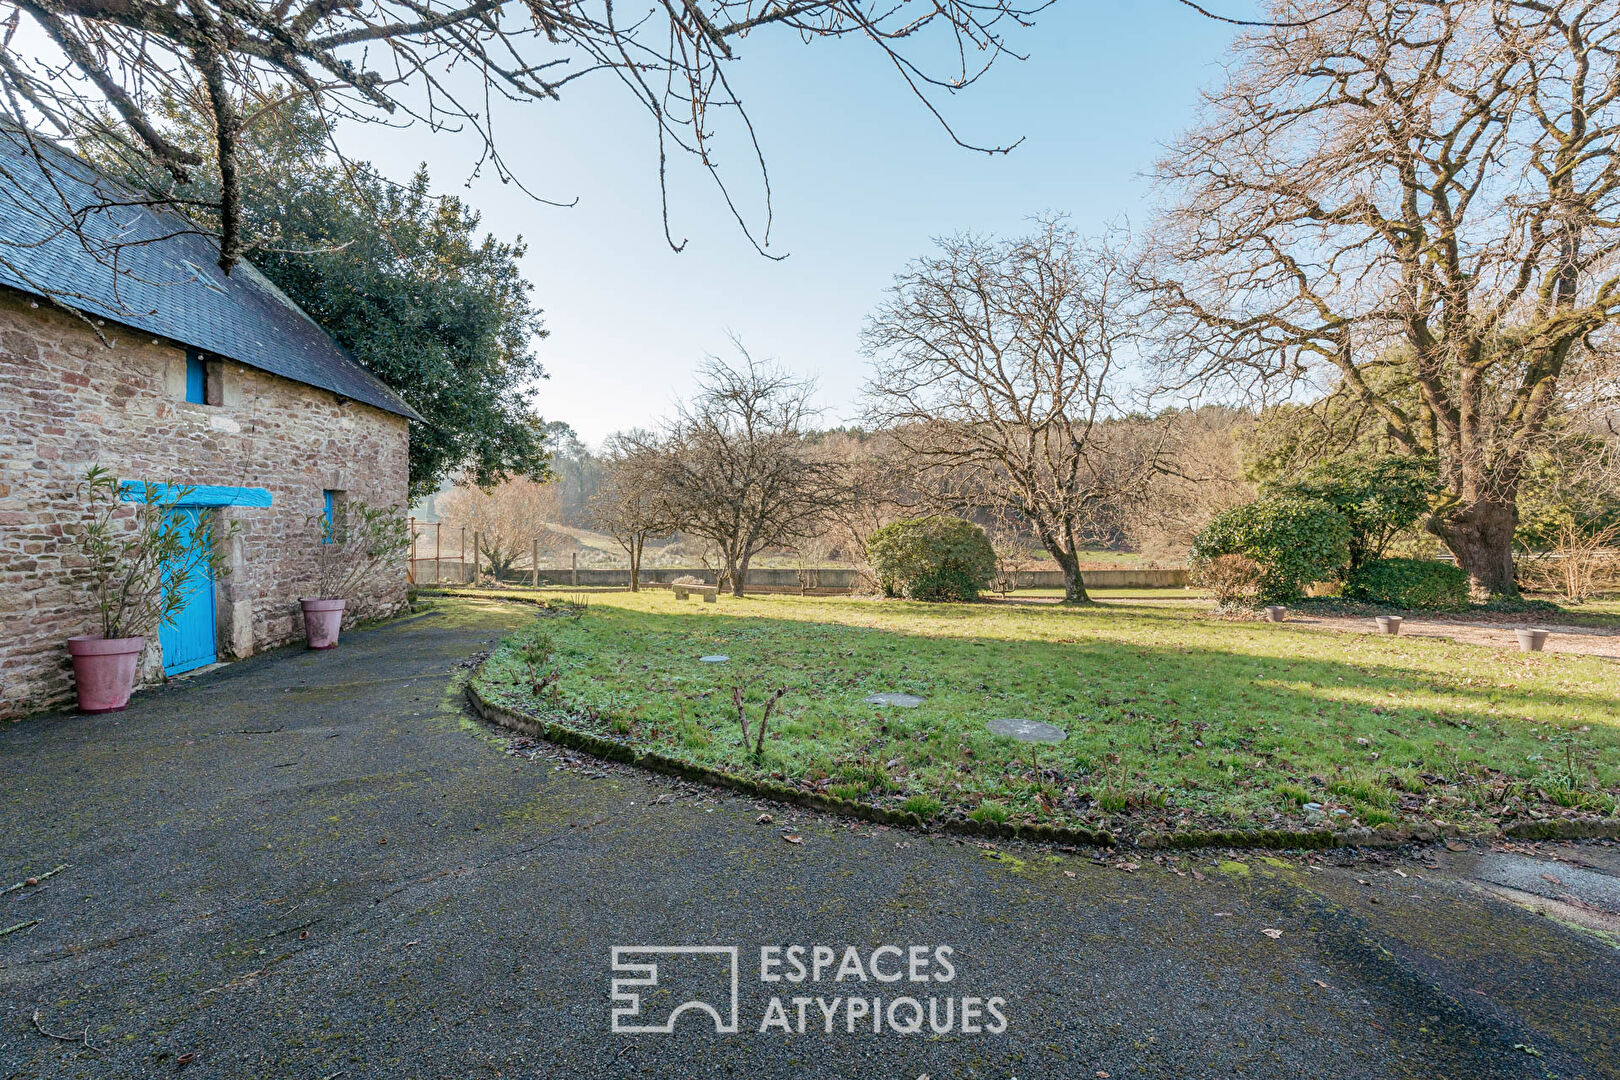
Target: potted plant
(357,541)
(140,556)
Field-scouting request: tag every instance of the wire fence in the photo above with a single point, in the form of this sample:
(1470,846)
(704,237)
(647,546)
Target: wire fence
(440,553)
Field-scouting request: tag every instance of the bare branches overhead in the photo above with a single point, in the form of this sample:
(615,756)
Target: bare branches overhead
(113,68)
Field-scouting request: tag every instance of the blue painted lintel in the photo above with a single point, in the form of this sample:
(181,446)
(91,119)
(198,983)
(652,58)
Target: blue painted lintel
(193,495)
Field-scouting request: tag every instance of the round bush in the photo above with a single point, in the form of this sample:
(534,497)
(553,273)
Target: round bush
(932,558)
(1409,583)
(1296,541)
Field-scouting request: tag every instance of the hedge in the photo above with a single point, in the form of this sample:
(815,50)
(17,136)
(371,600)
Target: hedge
(1296,541)
(1409,583)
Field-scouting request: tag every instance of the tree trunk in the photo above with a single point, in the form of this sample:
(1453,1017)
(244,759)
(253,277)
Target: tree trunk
(1074,583)
(1480,535)
(738,573)
(635,566)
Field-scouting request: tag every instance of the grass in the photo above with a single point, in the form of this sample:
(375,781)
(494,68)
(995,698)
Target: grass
(1174,717)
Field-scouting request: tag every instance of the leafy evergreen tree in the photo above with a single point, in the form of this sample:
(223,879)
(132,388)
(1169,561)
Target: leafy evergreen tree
(401,278)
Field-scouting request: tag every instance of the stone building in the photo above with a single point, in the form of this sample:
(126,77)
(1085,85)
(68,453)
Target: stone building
(170,371)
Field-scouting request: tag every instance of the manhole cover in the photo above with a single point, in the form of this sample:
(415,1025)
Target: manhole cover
(715,659)
(904,701)
(1028,730)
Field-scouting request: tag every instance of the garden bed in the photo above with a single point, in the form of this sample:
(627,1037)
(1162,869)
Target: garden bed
(1175,722)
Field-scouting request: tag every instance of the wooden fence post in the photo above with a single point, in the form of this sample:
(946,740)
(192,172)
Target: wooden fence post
(574,573)
(478,563)
(534,563)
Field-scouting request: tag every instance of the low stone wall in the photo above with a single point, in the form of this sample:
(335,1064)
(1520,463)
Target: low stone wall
(824,581)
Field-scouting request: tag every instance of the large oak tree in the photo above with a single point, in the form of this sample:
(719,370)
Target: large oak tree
(1413,205)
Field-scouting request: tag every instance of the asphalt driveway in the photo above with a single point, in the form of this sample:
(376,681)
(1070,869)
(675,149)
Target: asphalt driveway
(317,865)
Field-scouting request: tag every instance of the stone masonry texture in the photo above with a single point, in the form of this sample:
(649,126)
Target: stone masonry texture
(69,401)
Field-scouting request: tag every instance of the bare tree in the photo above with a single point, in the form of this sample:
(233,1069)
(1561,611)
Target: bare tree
(631,504)
(873,479)
(1203,475)
(109,69)
(999,366)
(1415,204)
(508,518)
(736,468)
(1015,555)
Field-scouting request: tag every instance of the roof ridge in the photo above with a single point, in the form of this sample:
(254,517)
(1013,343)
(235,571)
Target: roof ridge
(245,319)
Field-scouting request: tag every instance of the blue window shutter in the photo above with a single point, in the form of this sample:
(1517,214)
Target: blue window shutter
(326,533)
(196,377)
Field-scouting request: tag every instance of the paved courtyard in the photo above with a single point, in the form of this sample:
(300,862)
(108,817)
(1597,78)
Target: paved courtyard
(317,865)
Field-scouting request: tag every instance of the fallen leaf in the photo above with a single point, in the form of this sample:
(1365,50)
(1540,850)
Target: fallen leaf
(1197,876)
(764,819)
(1455,845)
(1102,1075)
(1128,867)
(31,881)
(793,838)
(303,935)
(1272,934)
(1322,984)
(185,1059)
(667,798)
(382,839)
(1399,873)
(1549,877)
(1070,873)
(1223,914)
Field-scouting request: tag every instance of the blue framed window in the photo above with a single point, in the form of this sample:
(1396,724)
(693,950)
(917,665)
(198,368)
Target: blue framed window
(332,527)
(196,377)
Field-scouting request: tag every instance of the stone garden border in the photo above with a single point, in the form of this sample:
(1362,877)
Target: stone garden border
(1384,836)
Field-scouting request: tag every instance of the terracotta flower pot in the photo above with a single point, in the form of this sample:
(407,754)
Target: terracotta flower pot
(322,621)
(1531,640)
(104,670)
(1389,624)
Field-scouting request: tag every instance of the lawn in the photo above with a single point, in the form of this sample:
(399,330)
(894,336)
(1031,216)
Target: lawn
(1174,717)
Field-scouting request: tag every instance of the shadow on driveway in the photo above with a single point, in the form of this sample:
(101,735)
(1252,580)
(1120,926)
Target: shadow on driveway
(316,865)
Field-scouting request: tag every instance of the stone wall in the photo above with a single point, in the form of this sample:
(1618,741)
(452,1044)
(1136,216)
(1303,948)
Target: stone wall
(68,401)
(832,579)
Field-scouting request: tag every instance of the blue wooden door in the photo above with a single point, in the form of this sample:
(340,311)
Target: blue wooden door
(189,642)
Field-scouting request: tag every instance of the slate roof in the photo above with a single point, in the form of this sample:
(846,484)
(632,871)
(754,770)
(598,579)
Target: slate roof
(150,269)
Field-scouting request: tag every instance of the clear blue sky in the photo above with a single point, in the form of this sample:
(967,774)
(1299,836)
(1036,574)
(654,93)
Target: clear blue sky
(863,179)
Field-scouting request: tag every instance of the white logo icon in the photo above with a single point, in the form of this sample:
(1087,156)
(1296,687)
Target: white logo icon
(715,968)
